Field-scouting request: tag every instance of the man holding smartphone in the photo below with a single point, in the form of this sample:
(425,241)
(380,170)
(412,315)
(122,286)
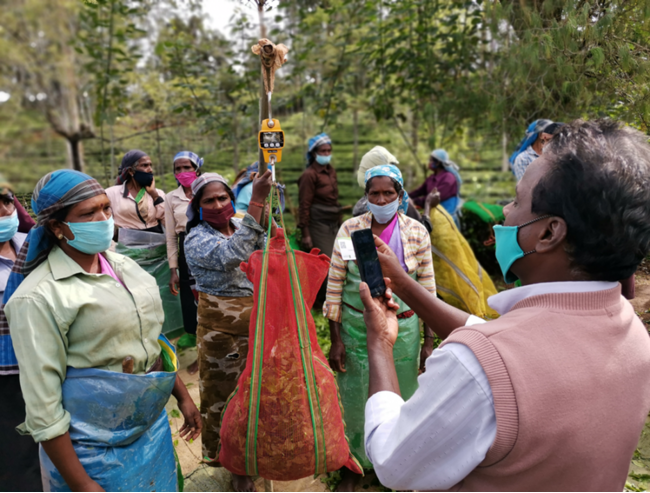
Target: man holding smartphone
(553,395)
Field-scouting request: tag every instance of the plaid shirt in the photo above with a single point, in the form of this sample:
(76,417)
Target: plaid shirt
(8,362)
(417,256)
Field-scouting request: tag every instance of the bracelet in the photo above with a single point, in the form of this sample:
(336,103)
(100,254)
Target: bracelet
(257,204)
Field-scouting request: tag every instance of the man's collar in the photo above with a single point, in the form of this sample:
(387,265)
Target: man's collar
(505,300)
(319,168)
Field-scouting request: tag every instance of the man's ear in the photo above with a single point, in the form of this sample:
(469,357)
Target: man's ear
(552,236)
(55,227)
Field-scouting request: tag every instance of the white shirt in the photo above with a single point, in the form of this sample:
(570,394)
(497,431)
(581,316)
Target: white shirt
(437,437)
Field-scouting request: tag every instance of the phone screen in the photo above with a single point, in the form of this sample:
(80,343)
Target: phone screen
(368,261)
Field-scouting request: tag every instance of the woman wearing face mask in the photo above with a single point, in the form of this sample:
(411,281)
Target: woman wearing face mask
(136,202)
(215,246)
(187,167)
(86,325)
(19,467)
(318,198)
(387,202)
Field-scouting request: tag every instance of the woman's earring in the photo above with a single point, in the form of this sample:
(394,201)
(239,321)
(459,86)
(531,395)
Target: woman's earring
(60,237)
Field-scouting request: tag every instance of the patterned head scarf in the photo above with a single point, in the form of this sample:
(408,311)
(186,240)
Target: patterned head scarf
(129,160)
(53,192)
(442,156)
(376,156)
(313,144)
(393,172)
(199,183)
(194,158)
(532,132)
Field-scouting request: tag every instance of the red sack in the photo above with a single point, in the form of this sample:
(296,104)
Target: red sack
(293,426)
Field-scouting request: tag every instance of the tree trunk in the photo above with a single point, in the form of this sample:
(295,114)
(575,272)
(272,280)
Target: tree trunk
(235,139)
(355,155)
(75,154)
(415,124)
(505,164)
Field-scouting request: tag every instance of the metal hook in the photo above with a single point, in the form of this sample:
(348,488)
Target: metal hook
(269,105)
(272,160)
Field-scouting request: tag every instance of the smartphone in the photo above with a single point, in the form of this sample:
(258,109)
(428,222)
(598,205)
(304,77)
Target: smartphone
(368,261)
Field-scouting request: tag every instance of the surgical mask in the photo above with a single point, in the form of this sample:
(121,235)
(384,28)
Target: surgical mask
(186,179)
(8,226)
(384,213)
(218,218)
(323,160)
(92,237)
(142,178)
(508,250)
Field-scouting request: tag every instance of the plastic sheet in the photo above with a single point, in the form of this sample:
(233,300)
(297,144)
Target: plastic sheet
(284,421)
(353,384)
(149,251)
(119,429)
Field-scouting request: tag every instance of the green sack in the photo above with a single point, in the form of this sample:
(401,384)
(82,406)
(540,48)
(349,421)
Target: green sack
(489,213)
(154,261)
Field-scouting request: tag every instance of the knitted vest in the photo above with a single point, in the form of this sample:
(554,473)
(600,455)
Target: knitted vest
(570,376)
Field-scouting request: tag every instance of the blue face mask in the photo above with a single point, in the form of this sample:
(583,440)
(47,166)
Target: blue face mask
(323,160)
(384,213)
(92,237)
(508,249)
(8,227)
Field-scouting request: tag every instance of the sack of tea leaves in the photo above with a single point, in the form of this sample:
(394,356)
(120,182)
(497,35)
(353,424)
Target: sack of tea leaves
(284,421)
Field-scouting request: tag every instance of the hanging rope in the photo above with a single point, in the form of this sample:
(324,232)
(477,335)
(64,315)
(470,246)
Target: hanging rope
(272,57)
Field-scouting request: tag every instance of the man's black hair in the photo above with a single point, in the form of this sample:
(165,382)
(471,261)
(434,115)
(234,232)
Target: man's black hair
(599,183)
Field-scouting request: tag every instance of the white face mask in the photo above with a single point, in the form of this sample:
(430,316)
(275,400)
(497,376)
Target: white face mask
(384,213)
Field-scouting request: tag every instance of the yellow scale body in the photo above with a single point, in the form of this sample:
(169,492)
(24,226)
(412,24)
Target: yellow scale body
(271,140)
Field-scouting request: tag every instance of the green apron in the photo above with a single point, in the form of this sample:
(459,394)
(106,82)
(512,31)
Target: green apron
(353,384)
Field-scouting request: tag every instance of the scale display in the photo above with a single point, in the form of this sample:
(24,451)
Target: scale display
(271,140)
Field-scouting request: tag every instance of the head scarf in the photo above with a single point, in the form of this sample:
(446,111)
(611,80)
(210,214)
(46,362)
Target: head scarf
(442,156)
(129,160)
(532,132)
(199,183)
(194,158)
(376,156)
(248,177)
(393,172)
(53,192)
(314,143)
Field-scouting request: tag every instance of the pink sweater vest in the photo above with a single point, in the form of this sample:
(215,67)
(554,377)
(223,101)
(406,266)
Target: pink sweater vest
(570,376)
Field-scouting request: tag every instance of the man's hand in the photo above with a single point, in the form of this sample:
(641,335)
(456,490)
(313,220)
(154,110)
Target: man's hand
(174,282)
(337,356)
(380,316)
(390,266)
(191,428)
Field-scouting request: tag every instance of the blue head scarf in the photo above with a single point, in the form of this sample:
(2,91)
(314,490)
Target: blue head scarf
(314,143)
(53,192)
(393,172)
(194,158)
(532,132)
(443,156)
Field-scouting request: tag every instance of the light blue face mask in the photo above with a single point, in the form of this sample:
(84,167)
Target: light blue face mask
(508,249)
(384,213)
(323,160)
(8,227)
(92,237)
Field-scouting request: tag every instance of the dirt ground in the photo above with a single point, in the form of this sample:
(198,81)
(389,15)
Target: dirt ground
(199,477)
